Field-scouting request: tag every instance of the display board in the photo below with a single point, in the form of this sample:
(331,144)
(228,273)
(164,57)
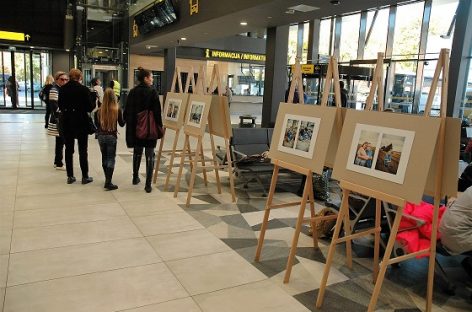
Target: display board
(220,117)
(450,163)
(175,109)
(302,135)
(391,153)
(196,117)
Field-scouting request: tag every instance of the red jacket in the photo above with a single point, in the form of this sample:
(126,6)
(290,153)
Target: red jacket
(412,236)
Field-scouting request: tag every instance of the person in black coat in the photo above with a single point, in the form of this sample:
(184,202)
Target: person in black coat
(75,103)
(140,98)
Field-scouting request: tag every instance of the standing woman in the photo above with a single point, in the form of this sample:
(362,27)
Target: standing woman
(106,119)
(44,96)
(142,97)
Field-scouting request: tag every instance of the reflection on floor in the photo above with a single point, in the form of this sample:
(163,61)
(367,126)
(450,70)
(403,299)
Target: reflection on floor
(79,248)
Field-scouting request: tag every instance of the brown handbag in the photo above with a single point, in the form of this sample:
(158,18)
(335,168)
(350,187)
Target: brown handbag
(146,128)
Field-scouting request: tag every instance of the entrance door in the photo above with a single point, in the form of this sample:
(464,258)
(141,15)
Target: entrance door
(106,73)
(29,69)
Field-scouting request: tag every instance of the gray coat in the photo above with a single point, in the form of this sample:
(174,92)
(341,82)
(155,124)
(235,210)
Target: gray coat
(456,224)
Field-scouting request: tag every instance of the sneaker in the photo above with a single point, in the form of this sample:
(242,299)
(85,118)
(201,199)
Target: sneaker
(71,180)
(87,180)
(57,167)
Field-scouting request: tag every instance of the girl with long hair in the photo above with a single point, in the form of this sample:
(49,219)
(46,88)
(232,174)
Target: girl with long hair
(106,119)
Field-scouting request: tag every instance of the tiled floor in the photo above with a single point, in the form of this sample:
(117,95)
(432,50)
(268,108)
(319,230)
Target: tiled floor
(79,248)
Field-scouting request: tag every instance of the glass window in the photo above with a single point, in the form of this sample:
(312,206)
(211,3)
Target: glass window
(441,25)
(378,36)
(306,33)
(466,107)
(402,87)
(349,37)
(428,74)
(292,44)
(408,21)
(325,32)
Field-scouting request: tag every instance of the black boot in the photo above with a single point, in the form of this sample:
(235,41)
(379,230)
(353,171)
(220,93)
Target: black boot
(136,163)
(149,172)
(108,176)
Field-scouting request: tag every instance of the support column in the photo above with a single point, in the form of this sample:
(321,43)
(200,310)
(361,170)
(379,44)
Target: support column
(300,30)
(314,41)
(337,36)
(169,68)
(460,61)
(275,79)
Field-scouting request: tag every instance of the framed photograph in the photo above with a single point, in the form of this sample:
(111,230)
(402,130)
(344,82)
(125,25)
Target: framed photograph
(380,152)
(172,111)
(196,117)
(387,152)
(196,114)
(305,136)
(299,134)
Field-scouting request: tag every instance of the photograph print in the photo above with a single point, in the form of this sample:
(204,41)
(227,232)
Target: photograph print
(173,109)
(299,135)
(380,152)
(196,112)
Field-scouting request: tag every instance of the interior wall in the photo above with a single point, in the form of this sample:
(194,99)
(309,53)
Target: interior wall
(61,62)
(156,63)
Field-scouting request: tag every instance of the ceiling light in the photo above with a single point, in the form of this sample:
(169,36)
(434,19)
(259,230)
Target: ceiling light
(335,2)
(183,38)
(150,46)
(269,17)
(290,11)
(304,8)
(243,23)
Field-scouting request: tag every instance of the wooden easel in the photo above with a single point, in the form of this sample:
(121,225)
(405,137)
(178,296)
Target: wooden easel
(348,187)
(308,195)
(177,80)
(226,135)
(199,155)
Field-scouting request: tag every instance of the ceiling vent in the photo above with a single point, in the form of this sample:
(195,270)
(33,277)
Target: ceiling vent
(303,8)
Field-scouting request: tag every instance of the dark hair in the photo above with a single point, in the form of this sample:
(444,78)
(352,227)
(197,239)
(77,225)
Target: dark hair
(94,81)
(111,84)
(143,73)
(341,84)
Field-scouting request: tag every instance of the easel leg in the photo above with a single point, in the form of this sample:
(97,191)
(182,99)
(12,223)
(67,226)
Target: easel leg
(378,215)
(432,256)
(181,168)
(230,170)
(347,232)
(314,232)
(189,151)
(172,156)
(205,178)
(194,171)
(158,161)
(215,163)
(296,235)
(385,260)
(332,247)
(273,183)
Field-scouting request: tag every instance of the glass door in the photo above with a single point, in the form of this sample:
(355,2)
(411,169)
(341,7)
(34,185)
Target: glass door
(27,70)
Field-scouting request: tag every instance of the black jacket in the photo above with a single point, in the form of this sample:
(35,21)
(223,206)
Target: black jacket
(75,103)
(140,98)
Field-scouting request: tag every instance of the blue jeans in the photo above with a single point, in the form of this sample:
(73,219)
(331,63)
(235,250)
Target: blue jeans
(108,148)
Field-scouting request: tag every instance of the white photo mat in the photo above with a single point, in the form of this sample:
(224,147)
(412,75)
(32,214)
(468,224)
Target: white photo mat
(386,140)
(196,110)
(301,127)
(172,110)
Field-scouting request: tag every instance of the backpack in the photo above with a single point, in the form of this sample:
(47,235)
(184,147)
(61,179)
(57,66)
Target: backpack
(44,93)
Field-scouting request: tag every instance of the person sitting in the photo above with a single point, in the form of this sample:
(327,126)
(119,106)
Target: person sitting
(456,228)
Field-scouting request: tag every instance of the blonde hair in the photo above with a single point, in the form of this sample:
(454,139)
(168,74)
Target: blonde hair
(108,111)
(49,80)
